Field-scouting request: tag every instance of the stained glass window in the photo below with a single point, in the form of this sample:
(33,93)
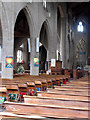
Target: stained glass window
(19,56)
(80,27)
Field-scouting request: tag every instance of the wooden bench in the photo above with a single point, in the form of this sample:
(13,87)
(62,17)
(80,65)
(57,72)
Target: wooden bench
(58,81)
(23,90)
(75,86)
(72,88)
(44,85)
(69,92)
(13,116)
(81,82)
(31,88)
(54,101)
(3,94)
(49,83)
(38,85)
(63,97)
(46,110)
(53,82)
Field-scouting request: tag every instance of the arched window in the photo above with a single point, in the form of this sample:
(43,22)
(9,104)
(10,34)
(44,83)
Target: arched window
(29,49)
(44,4)
(20,54)
(80,27)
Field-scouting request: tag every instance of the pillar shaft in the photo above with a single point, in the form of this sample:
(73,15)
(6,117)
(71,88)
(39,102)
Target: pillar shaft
(7,50)
(34,70)
(62,42)
(25,55)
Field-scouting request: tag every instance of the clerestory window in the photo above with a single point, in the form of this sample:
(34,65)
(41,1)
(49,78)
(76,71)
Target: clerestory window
(80,27)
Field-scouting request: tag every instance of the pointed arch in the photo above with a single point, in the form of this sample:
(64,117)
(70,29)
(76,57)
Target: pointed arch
(46,30)
(29,20)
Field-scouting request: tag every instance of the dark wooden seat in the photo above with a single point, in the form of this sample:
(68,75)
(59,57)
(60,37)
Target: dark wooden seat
(53,82)
(38,85)
(44,85)
(31,88)
(3,94)
(49,83)
(23,90)
(58,81)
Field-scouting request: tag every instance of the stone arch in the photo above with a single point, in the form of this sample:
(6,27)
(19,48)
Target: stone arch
(44,38)
(29,19)
(61,10)
(30,26)
(45,24)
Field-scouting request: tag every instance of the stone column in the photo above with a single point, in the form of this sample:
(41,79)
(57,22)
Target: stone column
(7,50)
(8,37)
(0,48)
(25,54)
(34,70)
(62,42)
(15,59)
(88,54)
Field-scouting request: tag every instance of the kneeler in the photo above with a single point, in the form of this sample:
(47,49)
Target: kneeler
(23,93)
(13,97)
(31,92)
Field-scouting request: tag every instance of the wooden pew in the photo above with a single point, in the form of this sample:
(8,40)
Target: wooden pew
(38,85)
(72,89)
(49,83)
(53,82)
(81,82)
(23,90)
(54,101)
(44,85)
(75,86)
(58,81)
(13,92)
(31,88)
(12,116)
(53,104)
(63,97)
(46,110)
(3,94)
(69,92)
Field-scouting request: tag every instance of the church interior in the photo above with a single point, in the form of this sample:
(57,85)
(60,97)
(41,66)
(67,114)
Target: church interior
(44,60)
